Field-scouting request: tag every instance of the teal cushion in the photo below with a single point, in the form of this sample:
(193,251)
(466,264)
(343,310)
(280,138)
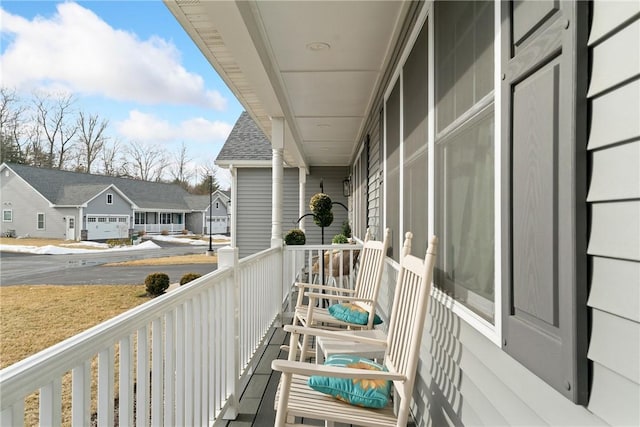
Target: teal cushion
(364,392)
(352,313)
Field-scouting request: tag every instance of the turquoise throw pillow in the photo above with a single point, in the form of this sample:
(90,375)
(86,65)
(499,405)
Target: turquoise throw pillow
(352,313)
(368,393)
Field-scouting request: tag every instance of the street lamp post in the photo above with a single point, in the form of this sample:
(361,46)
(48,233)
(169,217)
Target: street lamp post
(210,251)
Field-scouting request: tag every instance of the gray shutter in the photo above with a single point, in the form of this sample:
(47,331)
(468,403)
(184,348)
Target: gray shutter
(544,164)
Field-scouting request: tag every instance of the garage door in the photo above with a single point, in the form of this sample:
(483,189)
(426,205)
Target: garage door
(107,227)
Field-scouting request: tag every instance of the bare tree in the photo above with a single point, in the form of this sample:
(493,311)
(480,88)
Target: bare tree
(147,161)
(91,137)
(179,170)
(53,116)
(109,157)
(11,126)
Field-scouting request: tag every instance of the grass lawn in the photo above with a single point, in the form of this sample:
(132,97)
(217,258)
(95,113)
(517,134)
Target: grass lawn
(33,318)
(173,260)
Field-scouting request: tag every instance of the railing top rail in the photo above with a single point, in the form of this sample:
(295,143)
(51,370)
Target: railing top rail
(259,255)
(41,368)
(333,246)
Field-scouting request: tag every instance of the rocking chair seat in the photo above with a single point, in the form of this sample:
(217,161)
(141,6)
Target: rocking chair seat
(324,406)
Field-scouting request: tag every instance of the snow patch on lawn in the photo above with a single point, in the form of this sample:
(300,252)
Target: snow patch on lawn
(57,250)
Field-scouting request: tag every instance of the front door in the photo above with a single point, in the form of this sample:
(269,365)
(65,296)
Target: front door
(71,228)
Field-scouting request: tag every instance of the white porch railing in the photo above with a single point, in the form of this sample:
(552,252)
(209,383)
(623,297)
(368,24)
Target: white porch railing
(158,228)
(178,359)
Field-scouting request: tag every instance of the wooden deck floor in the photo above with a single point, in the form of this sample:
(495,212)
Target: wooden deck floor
(256,401)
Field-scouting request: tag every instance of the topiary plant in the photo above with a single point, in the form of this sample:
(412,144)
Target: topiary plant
(340,238)
(320,206)
(156,283)
(188,277)
(295,237)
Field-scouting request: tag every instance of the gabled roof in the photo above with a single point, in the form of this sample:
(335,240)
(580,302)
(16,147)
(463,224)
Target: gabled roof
(197,202)
(75,189)
(246,142)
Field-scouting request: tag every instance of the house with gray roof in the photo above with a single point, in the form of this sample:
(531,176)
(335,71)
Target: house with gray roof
(53,203)
(247,153)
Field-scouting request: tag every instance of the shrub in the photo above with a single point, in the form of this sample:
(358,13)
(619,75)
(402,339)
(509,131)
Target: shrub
(346,229)
(295,237)
(141,233)
(340,238)
(118,242)
(189,277)
(156,283)
(165,232)
(185,232)
(320,203)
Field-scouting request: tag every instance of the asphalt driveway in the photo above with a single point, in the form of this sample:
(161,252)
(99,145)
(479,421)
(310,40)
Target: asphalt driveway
(89,269)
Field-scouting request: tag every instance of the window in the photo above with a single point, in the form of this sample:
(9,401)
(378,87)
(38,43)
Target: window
(40,221)
(217,205)
(91,219)
(392,170)
(165,218)
(109,198)
(7,215)
(123,219)
(464,154)
(140,218)
(102,219)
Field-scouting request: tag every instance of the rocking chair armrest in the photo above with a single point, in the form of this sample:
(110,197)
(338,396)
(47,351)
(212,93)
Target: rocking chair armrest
(302,285)
(304,368)
(338,335)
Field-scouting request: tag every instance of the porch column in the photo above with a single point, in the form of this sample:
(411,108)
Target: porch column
(277,182)
(302,180)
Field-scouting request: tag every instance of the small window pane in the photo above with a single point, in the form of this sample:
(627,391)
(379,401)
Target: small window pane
(465,215)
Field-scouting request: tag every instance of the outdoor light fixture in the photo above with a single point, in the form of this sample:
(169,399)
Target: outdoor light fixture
(346,186)
(210,251)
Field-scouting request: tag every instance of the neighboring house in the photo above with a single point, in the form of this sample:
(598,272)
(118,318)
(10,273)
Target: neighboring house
(220,217)
(77,206)
(247,153)
(510,130)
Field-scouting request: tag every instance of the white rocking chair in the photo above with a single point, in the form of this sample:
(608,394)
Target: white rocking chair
(364,295)
(296,399)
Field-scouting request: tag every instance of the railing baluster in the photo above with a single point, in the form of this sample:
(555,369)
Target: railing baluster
(197,362)
(105,387)
(50,403)
(142,378)
(204,359)
(13,415)
(188,367)
(180,365)
(169,368)
(211,401)
(125,386)
(157,361)
(80,394)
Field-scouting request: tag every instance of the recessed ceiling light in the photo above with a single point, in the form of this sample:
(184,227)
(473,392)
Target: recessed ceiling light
(318,46)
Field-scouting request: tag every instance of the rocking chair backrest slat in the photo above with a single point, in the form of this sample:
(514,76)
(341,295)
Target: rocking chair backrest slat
(370,271)
(408,314)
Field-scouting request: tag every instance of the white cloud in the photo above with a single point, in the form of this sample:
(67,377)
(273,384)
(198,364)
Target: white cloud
(145,127)
(77,50)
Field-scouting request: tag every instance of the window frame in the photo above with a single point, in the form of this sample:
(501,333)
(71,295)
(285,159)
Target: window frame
(10,211)
(109,198)
(44,221)
(492,331)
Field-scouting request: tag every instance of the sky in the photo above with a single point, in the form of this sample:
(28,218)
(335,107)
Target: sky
(130,62)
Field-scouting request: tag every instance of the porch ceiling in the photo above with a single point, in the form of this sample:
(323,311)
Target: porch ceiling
(315,63)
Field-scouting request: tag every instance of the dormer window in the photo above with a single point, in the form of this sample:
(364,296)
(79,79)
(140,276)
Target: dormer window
(109,198)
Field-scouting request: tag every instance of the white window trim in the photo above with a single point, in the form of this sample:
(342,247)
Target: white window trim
(44,221)
(109,196)
(492,331)
(11,212)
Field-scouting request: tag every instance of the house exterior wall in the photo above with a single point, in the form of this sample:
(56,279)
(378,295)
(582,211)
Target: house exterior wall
(99,206)
(614,204)
(253,214)
(465,378)
(194,222)
(25,204)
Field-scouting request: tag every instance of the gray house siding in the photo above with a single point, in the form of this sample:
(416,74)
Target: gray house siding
(99,206)
(253,216)
(466,379)
(25,204)
(614,202)
(193,222)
